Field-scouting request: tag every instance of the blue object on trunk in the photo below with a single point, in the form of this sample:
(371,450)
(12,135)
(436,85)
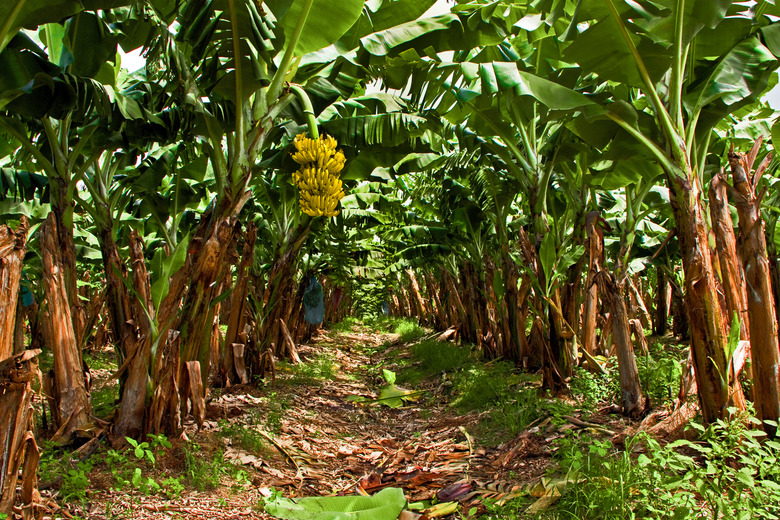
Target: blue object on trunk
(313,303)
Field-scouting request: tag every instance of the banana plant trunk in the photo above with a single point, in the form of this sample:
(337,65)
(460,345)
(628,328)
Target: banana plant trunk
(731,275)
(661,297)
(238,310)
(137,342)
(765,349)
(71,399)
(612,291)
(20,450)
(13,245)
(279,294)
(702,301)
(595,244)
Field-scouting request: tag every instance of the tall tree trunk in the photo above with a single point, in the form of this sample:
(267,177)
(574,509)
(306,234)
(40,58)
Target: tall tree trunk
(452,294)
(433,292)
(13,245)
(280,291)
(71,399)
(726,247)
(612,292)
(708,338)
(137,341)
(419,302)
(238,307)
(197,312)
(661,297)
(765,349)
(638,304)
(595,244)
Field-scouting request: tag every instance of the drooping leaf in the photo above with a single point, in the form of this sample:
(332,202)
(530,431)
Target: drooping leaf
(326,22)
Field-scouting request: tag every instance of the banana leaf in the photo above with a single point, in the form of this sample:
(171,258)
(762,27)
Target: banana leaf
(385,505)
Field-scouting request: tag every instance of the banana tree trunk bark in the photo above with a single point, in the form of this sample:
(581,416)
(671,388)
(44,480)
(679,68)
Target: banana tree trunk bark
(137,341)
(422,310)
(279,294)
(595,246)
(702,303)
(612,292)
(452,294)
(760,300)
(661,309)
(638,302)
(16,437)
(209,266)
(13,245)
(433,290)
(71,398)
(238,307)
(726,246)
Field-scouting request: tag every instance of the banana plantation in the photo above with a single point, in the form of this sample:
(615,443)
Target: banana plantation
(389,259)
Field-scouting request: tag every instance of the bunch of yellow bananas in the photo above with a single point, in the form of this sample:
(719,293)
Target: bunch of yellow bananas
(318,176)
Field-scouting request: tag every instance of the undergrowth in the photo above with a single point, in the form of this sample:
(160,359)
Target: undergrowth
(730,472)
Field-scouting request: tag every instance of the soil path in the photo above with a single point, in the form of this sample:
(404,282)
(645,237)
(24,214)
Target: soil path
(307,434)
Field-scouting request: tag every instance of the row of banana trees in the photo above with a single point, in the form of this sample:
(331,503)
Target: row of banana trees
(596,126)
(530,160)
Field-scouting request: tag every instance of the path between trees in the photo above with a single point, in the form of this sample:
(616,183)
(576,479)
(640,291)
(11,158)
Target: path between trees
(309,434)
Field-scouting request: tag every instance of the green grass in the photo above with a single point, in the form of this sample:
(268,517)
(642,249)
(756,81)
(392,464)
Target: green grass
(317,370)
(408,330)
(432,358)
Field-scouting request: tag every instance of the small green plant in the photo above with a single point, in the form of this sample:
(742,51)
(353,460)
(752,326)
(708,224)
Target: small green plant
(75,482)
(141,450)
(172,487)
(201,473)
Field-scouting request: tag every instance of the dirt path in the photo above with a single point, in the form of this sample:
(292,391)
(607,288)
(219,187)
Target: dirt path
(308,434)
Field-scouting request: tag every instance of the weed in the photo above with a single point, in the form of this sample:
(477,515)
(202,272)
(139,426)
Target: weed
(592,389)
(244,437)
(105,400)
(727,474)
(408,330)
(200,473)
(482,385)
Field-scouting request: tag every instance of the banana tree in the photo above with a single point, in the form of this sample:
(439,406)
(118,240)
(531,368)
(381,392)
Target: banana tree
(683,66)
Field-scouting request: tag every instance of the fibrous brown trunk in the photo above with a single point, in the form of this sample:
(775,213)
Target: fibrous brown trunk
(638,304)
(16,437)
(612,292)
(702,303)
(12,248)
(137,342)
(726,246)
(765,349)
(238,308)
(595,245)
(419,302)
(433,291)
(661,308)
(208,268)
(71,399)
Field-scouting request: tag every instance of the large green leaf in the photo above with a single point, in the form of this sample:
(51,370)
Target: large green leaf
(602,49)
(89,44)
(384,505)
(326,22)
(742,72)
